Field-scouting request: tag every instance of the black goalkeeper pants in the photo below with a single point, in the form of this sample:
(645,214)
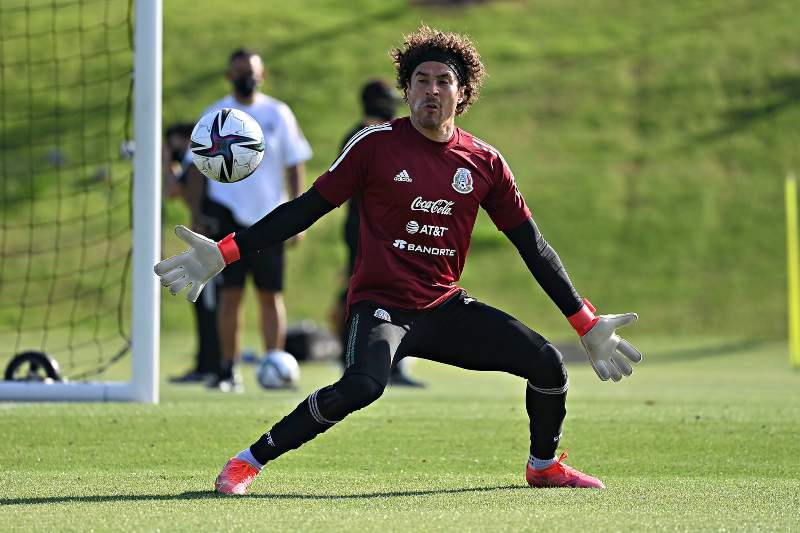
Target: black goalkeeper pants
(462,332)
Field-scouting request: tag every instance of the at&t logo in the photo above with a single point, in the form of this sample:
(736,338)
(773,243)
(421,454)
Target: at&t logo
(413,227)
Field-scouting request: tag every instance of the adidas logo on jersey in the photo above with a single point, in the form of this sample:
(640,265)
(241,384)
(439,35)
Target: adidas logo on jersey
(403,176)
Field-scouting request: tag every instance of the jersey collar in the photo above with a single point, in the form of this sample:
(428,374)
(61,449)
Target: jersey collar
(434,145)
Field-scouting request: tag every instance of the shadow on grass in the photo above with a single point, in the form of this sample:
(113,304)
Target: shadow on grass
(205,495)
(703,352)
(780,94)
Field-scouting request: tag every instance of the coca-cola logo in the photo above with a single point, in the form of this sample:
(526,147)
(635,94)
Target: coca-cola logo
(436,207)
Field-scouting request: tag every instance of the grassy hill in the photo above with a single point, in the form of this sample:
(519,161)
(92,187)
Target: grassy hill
(650,139)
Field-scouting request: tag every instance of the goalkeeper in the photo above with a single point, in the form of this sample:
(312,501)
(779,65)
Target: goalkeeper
(420,181)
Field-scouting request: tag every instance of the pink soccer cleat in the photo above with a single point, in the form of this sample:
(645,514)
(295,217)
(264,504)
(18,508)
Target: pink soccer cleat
(560,475)
(235,477)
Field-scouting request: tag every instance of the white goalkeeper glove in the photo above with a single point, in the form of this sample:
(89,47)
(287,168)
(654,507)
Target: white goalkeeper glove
(202,261)
(608,353)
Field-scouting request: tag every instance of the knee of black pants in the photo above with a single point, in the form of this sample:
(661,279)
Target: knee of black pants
(351,393)
(549,372)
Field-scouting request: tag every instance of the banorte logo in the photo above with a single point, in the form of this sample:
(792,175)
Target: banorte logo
(436,207)
(430,250)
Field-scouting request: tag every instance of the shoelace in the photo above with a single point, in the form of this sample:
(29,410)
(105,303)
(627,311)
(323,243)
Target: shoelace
(559,463)
(566,468)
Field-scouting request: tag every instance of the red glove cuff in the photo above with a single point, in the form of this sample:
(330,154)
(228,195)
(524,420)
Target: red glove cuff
(584,320)
(229,249)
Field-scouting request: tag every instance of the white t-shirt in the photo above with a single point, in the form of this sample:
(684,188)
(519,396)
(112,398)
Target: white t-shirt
(284,145)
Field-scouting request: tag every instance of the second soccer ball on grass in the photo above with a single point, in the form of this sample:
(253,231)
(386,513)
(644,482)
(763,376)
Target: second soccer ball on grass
(227,145)
(278,370)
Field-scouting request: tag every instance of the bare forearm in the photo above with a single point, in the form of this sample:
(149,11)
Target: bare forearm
(193,192)
(295,179)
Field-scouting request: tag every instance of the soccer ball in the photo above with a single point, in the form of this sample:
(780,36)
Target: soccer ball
(278,370)
(227,145)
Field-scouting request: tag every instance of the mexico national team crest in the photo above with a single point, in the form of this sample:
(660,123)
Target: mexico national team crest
(462,181)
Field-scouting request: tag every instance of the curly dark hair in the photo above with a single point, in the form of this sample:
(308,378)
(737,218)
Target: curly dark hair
(426,39)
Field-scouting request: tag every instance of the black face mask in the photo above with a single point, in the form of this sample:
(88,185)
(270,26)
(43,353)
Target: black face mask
(177,154)
(245,86)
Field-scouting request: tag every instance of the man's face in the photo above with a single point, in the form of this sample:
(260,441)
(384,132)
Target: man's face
(433,94)
(246,74)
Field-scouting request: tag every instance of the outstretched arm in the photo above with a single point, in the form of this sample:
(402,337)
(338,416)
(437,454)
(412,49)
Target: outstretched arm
(608,354)
(285,221)
(205,258)
(545,265)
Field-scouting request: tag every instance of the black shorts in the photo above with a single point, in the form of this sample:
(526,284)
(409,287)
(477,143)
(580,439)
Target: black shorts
(266,267)
(462,332)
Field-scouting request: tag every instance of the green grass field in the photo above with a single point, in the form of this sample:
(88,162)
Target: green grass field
(704,436)
(650,139)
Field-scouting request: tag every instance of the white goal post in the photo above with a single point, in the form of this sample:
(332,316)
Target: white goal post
(143,385)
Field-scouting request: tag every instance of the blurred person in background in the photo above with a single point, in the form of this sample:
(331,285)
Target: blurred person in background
(176,158)
(173,153)
(241,204)
(379,102)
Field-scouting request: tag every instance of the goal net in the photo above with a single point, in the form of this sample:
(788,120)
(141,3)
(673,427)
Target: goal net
(69,191)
